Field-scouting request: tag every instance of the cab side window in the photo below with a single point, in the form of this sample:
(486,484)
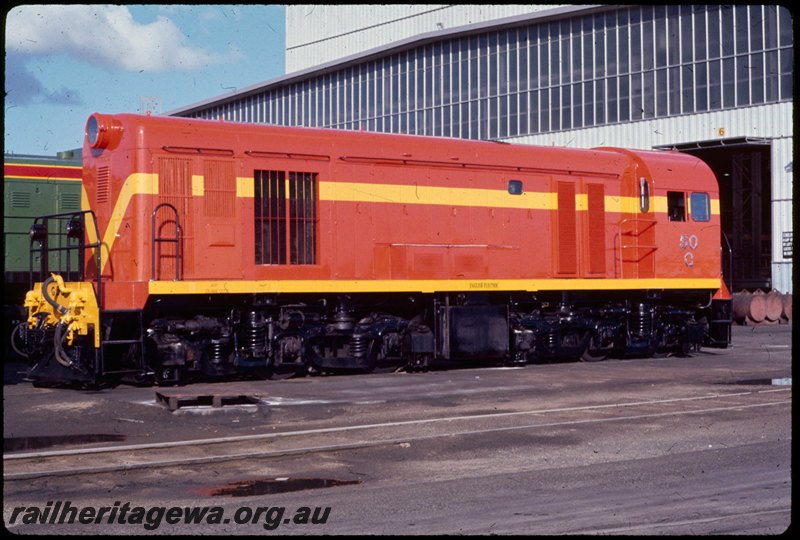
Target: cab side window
(700,207)
(676,206)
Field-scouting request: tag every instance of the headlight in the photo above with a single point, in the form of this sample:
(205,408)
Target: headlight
(38,232)
(102,130)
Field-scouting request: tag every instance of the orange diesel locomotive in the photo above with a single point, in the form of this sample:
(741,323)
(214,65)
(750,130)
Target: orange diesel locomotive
(214,248)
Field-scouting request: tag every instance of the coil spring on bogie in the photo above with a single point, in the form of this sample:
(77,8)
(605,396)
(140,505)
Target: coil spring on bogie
(217,351)
(551,340)
(255,333)
(641,321)
(358,346)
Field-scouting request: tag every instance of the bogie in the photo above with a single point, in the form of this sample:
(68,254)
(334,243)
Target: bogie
(342,335)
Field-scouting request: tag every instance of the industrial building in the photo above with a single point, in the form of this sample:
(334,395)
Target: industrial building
(713,81)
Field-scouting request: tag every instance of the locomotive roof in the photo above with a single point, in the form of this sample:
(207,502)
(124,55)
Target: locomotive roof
(403,149)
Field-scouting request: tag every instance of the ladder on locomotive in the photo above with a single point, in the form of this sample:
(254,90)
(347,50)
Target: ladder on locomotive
(157,239)
(124,316)
(636,254)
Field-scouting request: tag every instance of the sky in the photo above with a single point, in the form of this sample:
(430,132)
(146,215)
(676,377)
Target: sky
(64,62)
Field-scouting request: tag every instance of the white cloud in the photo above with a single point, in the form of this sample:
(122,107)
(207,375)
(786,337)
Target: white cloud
(102,35)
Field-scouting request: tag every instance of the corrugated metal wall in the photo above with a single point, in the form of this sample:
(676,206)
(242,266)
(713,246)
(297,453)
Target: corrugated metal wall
(782,211)
(317,34)
(767,121)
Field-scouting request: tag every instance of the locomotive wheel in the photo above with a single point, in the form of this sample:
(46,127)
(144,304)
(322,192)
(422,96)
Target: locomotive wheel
(516,360)
(287,371)
(280,374)
(686,349)
(418,363)
(382,368)
(593,353)
(170,376)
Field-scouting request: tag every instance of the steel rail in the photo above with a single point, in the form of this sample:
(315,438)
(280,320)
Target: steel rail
(369,443)
(261,436)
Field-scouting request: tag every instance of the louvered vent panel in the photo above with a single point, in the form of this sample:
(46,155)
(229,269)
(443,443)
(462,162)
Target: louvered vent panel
(68,202)
(597,228)
(219,189)
(567,243)
(20,199)
(103,184)
(175,188)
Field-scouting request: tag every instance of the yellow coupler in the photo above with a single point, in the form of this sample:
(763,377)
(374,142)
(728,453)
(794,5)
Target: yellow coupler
(76,307)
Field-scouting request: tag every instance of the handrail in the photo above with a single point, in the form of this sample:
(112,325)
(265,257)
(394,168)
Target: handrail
(640,258)
(455,163)
(729,285)
(652,223)
(636,233)
(40,233)
(156,240)
(198,150)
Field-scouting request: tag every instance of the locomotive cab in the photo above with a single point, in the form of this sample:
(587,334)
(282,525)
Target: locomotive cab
(685,199)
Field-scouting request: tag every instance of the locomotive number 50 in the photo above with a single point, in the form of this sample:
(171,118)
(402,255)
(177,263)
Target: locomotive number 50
(688,242)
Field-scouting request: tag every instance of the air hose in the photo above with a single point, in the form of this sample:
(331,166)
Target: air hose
(58,347)
(58,338)
(61,309)
(14,334)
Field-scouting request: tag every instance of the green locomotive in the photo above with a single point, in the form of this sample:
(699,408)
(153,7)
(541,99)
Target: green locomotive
(33,186)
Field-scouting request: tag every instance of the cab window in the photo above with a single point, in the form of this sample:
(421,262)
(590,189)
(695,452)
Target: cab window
(676,206)
(700,207)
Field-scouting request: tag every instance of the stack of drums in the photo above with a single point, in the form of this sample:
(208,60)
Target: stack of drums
(759,307)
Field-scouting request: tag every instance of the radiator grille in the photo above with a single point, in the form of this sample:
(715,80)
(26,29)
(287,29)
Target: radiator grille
(567,242)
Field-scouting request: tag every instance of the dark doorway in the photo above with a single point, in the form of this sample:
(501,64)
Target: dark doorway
(743,169)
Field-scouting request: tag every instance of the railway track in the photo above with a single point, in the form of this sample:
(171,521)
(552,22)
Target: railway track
(111,458)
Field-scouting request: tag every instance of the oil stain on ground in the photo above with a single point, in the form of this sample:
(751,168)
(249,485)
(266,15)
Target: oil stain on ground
(266,486)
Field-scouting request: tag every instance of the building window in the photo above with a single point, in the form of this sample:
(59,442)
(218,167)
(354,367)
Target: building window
(627,63)
(285,206)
